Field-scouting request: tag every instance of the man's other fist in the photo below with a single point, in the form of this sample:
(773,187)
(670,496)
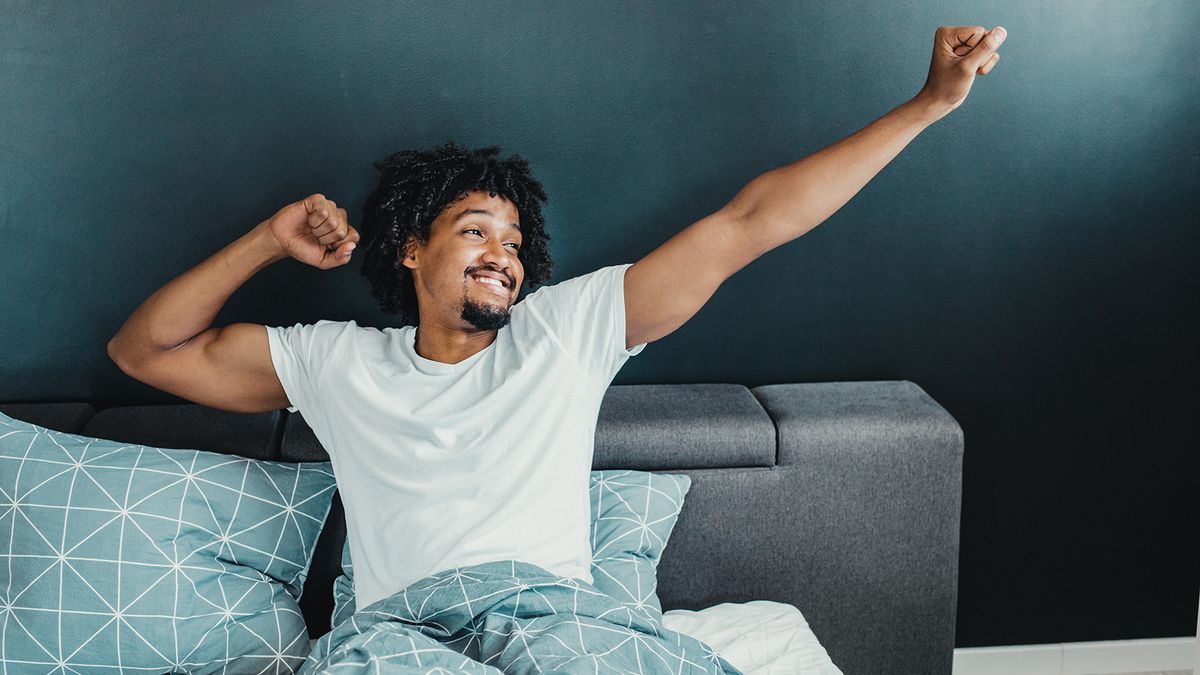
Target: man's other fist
(315,232)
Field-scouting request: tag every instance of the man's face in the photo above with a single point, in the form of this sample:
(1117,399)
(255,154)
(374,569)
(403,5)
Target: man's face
(468,250)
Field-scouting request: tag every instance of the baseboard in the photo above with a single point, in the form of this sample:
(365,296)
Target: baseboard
(1079,658)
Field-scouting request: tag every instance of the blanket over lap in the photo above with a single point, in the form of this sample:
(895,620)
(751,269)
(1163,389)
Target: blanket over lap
(505,617)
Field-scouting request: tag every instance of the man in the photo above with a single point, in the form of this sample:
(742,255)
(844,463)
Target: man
(467,438)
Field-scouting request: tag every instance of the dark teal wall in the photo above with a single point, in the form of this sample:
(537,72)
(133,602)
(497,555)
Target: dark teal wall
(1029,260)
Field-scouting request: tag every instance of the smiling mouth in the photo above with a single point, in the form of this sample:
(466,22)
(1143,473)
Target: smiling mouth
(490,284)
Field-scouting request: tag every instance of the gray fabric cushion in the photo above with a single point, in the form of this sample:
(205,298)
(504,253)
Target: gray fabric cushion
(299,443)
(857,419)
(189,426)
(66,417)
(662,427)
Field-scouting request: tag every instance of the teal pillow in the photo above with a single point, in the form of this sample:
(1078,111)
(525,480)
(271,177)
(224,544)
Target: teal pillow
(633,514)
(134,558)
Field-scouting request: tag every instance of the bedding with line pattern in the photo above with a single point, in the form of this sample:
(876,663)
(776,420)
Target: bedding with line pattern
(506,617)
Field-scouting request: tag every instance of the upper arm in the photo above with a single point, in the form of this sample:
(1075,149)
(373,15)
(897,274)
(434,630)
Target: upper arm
(671,283)
(227,367)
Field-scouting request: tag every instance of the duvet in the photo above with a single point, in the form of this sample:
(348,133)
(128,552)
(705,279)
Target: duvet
(506,617)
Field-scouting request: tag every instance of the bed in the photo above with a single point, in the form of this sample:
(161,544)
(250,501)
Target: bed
(819,534)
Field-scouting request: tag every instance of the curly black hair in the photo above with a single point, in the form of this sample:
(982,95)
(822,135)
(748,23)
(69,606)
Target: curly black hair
(415,186)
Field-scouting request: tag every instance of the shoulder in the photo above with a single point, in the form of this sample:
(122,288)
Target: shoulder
(326,331)
(593,283)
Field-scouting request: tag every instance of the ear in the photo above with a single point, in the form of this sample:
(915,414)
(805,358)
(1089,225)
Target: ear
(408,253)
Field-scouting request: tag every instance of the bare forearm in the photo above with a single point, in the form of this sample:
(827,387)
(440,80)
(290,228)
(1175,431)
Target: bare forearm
(785,203)
(187,305)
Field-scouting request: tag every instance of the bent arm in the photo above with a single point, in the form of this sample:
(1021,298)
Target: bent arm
(168,343)
(669,285)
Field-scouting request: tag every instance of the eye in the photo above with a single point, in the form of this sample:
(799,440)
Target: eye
(477,231)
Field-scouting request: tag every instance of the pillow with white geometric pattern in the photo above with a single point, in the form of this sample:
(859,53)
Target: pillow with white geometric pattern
(134,558)
(633,514)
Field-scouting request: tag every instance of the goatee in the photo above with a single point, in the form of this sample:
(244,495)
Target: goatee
(484,317)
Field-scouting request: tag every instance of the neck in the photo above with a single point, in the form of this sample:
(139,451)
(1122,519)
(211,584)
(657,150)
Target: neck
(451,346)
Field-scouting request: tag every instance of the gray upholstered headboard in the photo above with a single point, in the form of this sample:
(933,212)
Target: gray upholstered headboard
(840,498)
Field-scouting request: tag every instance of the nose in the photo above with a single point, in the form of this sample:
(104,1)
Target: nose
(495,252)
(499,258)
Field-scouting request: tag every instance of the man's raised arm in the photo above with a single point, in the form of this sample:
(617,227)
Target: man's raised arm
(671,283)
(168,343)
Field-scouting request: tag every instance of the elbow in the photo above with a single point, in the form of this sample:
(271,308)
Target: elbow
(112,351)
(118,356)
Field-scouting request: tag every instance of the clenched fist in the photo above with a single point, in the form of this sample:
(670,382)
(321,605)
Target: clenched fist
(314,231)
(959,54)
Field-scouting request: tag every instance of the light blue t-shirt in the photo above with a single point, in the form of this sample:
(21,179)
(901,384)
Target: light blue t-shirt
(442,465)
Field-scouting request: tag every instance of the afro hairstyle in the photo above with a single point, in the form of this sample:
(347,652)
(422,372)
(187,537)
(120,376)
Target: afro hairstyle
(415,187)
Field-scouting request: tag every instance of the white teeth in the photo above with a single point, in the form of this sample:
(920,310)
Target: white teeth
(489,280)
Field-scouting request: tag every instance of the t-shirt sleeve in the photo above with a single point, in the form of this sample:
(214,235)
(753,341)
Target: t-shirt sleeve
(587,315)
(300,354)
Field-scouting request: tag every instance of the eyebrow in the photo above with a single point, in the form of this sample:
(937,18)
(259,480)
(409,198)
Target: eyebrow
(467,212)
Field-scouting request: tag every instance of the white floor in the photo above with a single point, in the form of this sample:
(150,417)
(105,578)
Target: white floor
(1162,672)
(1164,656)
